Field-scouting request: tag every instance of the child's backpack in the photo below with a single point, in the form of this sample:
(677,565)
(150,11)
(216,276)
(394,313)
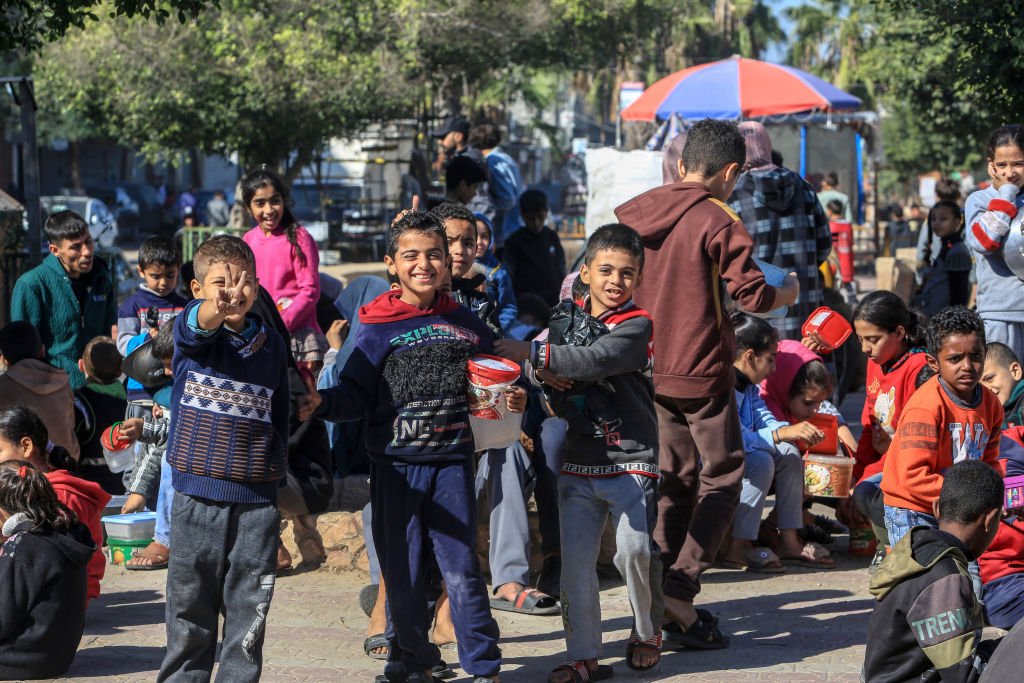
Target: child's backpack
(588,407)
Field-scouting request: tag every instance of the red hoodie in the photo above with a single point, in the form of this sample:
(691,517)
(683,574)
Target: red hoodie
(886,392)
(87,500)
(694,248)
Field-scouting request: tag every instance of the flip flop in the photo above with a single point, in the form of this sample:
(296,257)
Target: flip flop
(160,558)
(652,644)
(374,642)
(581,674)
(528,601)
(813,556)
(700,636)
(763,561)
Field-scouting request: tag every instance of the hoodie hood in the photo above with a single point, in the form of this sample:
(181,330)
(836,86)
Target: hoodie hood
(356,294)
(75,544)
(654,213)
(38,377)
(791,357)
(775,188)
(489,258)
(389,308)
(917,552)
(88,495)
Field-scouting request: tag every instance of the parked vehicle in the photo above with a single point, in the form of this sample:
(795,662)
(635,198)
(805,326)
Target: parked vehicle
(102,224)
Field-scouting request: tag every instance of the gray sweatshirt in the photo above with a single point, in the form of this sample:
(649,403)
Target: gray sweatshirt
(1000,292)
(149,455)
(622,358)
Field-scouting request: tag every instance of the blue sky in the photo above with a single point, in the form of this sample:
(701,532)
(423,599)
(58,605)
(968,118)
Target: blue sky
(777,53)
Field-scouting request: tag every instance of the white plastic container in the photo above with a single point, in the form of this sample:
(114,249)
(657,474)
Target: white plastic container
(492,424)
(134,527)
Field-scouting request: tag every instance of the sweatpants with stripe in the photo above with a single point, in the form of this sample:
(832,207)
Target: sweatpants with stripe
(584,504)
(418,509)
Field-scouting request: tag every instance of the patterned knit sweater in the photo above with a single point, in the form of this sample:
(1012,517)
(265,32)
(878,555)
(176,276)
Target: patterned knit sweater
(229,430)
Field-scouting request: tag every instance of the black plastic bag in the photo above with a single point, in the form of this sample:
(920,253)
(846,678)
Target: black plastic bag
(588,407)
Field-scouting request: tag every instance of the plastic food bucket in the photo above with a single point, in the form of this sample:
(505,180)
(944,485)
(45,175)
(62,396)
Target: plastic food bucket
(132,527)
(827,475)
(492,424)
(116,453)
(120,551)
(862,540)
(827,327)
(1013,493)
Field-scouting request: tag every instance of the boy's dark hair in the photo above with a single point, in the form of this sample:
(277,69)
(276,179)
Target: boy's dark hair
(463,169)
(1012,134)
(925,374)
(64,225)
(485,136)
(753,333)
(158,250)
(832,179)
(888,311)
(616,237)
(223,249)
(454,211)
(835,206)
(533,201)
(711,145)
(418,221)
(812,375)
(777,157)
(950,321)
(20,340)
(1000,353)
(970,489)
(102,360)
(531,305)
(163,342)
(947,189)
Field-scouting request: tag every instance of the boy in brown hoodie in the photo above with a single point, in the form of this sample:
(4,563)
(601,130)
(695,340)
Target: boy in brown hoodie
(697,245)
(33,383)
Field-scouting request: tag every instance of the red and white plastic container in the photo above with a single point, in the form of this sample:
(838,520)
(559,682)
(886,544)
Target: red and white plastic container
(116,448)
(827,327)
(492,423)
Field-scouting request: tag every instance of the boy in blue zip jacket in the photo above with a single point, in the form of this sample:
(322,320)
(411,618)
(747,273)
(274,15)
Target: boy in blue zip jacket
(407,375)
(499,282)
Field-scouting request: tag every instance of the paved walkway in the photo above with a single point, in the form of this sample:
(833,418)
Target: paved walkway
(801,626)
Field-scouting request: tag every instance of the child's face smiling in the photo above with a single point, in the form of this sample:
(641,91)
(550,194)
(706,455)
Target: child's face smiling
(223,275)
(267,208)
(419,263)
(160,278)
(483,238)
(612,275)
(461,245)
(1007,166)
(1001,380)
(959,363)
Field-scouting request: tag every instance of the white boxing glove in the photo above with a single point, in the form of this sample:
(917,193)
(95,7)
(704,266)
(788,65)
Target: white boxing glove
(995,223)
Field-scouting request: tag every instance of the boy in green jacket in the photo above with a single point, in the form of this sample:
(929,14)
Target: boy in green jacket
(69,297)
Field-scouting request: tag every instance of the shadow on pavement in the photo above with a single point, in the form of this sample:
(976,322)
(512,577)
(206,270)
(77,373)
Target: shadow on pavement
(763,631)
(115,660)
(110,613)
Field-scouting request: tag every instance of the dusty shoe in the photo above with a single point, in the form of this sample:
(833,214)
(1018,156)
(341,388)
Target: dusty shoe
(311,545)
(876,561)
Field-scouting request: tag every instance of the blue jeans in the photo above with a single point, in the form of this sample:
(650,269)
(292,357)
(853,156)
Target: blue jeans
(899,522)
(1004,601)
(163,505)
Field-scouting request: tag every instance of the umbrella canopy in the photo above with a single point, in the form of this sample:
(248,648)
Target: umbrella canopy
(737,88)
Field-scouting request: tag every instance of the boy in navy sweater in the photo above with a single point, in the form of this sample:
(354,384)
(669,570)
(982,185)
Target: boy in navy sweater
(228,452)
(156,302)
(407,374)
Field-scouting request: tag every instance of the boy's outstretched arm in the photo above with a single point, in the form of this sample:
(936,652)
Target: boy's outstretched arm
(624,349)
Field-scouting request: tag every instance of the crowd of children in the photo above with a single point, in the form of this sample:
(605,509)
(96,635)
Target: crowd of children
(672,423)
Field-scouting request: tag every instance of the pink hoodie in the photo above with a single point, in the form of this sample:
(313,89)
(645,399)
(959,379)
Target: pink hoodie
(775,390)
(282,274)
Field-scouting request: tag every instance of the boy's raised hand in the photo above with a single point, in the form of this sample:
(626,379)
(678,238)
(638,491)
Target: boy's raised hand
(231,297)
(789,292)
(515,399)
(415,207)
(337,333)
(309,403)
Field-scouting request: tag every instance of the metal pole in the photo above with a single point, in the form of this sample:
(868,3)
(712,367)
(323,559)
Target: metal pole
(30,159)
(803,151)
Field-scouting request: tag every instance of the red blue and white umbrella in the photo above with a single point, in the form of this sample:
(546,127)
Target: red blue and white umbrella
(737,88)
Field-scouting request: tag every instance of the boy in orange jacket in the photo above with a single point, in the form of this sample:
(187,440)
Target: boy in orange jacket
(948,420)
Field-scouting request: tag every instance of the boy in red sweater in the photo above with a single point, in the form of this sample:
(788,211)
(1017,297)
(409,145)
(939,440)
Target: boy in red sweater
(694,243)
(948,420)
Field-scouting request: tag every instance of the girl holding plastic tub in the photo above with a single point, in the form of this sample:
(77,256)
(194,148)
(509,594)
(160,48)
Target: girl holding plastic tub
(42,576)
(23,436)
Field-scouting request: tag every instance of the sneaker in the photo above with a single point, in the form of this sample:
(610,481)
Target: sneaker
(876,561)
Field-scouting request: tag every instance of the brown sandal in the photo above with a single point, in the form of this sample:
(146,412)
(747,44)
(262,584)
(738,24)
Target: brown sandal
(155,556)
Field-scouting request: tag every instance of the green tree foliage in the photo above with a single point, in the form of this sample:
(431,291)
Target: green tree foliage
(29,24)
(265,80)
